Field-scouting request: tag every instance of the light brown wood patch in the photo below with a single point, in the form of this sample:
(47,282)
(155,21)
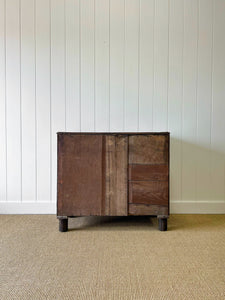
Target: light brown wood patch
(116,175)
(148,149)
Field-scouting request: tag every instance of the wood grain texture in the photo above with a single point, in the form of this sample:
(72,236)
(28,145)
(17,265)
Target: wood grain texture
(93,174)
(148,149)
(79,175)
(148,172)
(143,209)
(148,192)
(116,148)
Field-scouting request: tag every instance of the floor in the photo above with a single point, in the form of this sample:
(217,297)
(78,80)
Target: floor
(112,258)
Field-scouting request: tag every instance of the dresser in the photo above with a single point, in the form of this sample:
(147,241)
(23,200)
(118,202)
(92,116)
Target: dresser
(112,174)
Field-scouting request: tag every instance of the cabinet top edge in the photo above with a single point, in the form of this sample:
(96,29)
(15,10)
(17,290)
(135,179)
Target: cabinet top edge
(114,133)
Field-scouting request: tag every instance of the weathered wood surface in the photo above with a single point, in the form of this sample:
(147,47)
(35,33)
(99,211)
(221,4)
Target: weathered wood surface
(148,192)
(113,174)
(148,149)
(148,172)
(144,209)
(116,175)
(79,175)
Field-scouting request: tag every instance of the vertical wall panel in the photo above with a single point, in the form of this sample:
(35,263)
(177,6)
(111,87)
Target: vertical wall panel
(72,36)
(131,84)
(204,100)
(3,167)
(102,65)
(43,106)
(57,81)
(28,100)
(112,65)
(160,65)
(146,67)
(13,106)
(87,65)
(218,104)
(189,100)
(117,65)
(175,94)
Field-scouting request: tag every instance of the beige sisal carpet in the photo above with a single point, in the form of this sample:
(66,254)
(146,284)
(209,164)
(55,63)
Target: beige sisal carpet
(112,258)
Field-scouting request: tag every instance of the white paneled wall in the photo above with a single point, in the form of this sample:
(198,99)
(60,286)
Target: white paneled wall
(112,65)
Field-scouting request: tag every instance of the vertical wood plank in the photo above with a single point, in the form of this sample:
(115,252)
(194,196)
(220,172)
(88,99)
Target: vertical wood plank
(28,113)
(131,84)
(87,65)
(160,65)
(72,32)
(3,167)
(117,65)
(116,151)
(58,110)
(43,105)
(204,100)
(109,172)
(13,109)
(146,71)
(175,94)
(102,65)
(218,104)
(189,100)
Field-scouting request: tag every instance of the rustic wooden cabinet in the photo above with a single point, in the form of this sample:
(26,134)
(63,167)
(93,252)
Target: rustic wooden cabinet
(113,174)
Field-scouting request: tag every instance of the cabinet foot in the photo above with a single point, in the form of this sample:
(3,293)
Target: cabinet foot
(162,224)
(63,224)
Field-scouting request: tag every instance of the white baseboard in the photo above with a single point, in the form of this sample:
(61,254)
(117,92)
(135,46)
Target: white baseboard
(27,208)
(197,207)
(50,208)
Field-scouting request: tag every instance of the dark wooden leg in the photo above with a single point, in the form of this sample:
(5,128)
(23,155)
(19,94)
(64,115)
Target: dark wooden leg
(162,224)
(63,224)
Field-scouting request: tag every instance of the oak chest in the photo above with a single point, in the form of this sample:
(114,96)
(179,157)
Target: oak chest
(113,174)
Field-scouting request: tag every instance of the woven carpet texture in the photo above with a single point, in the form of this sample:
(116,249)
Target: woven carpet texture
(112,258)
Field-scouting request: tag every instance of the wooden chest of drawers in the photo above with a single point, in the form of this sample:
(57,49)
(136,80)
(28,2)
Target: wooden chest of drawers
(113,174)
